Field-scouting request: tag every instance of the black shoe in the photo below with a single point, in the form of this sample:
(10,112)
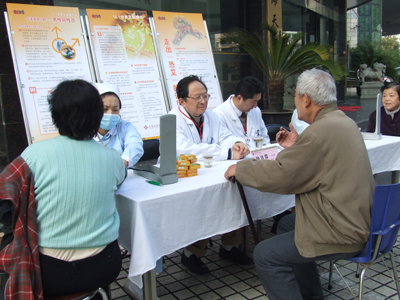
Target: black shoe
(194,264)
(235,255)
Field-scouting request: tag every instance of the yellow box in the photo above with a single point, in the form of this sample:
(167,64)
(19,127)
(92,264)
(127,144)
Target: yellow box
(183,162)
(191,172)
(182,168)
(194,166)
(181,174)
(192,161)
(187,156)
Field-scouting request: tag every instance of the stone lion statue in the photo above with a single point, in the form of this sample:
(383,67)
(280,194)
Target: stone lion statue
(377,71)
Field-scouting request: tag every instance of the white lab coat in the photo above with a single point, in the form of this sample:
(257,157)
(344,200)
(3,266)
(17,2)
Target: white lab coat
(231,120)
(298,125)
(216,137)
(124,138)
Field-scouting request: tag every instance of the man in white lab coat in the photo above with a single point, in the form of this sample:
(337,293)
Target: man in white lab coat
(243,118)
(198,129)
(240,113)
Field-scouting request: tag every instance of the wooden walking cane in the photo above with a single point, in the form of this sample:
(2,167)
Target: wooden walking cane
(246,208)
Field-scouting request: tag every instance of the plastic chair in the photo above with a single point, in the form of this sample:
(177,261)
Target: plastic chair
(385,223)
(82,295)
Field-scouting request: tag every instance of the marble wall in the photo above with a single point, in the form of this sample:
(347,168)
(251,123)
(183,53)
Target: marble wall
(370,22)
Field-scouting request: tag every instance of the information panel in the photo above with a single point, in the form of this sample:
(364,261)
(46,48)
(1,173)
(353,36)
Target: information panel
(48,48)
(125,56)
(185,50)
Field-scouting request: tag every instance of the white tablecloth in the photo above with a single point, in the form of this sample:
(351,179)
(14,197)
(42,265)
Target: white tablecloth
(384,154)
(157,221)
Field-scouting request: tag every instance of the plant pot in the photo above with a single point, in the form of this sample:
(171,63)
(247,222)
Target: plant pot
(281,118)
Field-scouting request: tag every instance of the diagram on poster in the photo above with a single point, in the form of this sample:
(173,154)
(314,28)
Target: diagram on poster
(125,56)
(185,50)
(49,48)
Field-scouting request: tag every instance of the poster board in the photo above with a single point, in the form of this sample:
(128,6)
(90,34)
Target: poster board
(185,49)
(125,55)
(48,46)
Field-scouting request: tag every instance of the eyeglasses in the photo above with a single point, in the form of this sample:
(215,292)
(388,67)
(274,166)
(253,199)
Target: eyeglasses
(199,98)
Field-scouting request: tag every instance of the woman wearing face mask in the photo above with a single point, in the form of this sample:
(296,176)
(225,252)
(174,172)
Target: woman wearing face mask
(390,116)
(115,132)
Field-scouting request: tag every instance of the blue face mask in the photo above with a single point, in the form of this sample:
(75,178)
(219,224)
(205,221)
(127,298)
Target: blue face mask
(109,121)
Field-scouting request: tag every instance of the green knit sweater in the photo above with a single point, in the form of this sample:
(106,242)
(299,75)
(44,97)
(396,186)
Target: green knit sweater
(75,183)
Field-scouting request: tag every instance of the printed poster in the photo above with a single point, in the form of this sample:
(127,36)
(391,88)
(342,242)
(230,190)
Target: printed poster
(125,55)
(185,50)
(49,48)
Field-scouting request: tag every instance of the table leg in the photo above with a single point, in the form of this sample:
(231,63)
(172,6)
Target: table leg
(395,176)
(149,285)
(149,290)
(245,246)
(259,229)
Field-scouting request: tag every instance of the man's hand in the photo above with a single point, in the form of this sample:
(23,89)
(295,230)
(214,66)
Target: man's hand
(285,138)
(239,150)
(230,173)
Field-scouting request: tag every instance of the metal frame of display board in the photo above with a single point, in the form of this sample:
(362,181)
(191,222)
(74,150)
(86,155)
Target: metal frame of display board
(93,54)
(212,57)
(88,52)
(161,70)
(19,84)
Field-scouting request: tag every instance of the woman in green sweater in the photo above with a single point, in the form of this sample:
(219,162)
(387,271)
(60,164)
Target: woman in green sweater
(75,180)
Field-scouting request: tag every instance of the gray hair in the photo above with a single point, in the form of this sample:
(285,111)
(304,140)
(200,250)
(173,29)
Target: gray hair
(319,86)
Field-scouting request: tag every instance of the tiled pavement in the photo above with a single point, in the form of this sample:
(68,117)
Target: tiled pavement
(237,282)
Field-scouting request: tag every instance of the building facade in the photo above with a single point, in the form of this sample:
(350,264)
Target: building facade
(324,21)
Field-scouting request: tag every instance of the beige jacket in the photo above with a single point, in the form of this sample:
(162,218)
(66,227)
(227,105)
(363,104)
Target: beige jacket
(329,171)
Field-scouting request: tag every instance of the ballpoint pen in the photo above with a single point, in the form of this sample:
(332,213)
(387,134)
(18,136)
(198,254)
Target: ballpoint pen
(154,182)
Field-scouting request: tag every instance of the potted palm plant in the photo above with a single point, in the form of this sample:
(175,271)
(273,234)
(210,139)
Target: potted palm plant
(284,56)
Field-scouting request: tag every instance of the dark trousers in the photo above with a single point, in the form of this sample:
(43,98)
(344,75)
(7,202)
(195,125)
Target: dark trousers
(284,273)
(62,277)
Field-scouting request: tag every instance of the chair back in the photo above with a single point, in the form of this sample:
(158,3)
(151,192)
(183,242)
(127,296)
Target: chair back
(273,129)
(385,220)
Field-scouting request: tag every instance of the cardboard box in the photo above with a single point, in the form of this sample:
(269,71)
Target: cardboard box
(194,166)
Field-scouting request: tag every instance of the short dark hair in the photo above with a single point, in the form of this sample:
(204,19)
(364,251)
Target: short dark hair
(76,109)
(102,96)
(394,85)
(182,89)
(248,87)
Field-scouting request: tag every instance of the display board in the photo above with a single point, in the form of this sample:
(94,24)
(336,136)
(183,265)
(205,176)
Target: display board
(124,55)
(185,49)
(48,47)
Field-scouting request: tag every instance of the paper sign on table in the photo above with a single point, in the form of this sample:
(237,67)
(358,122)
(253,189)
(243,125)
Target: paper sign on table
(268,152)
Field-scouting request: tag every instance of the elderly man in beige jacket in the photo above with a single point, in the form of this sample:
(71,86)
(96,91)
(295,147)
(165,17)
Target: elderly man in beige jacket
(328,169)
